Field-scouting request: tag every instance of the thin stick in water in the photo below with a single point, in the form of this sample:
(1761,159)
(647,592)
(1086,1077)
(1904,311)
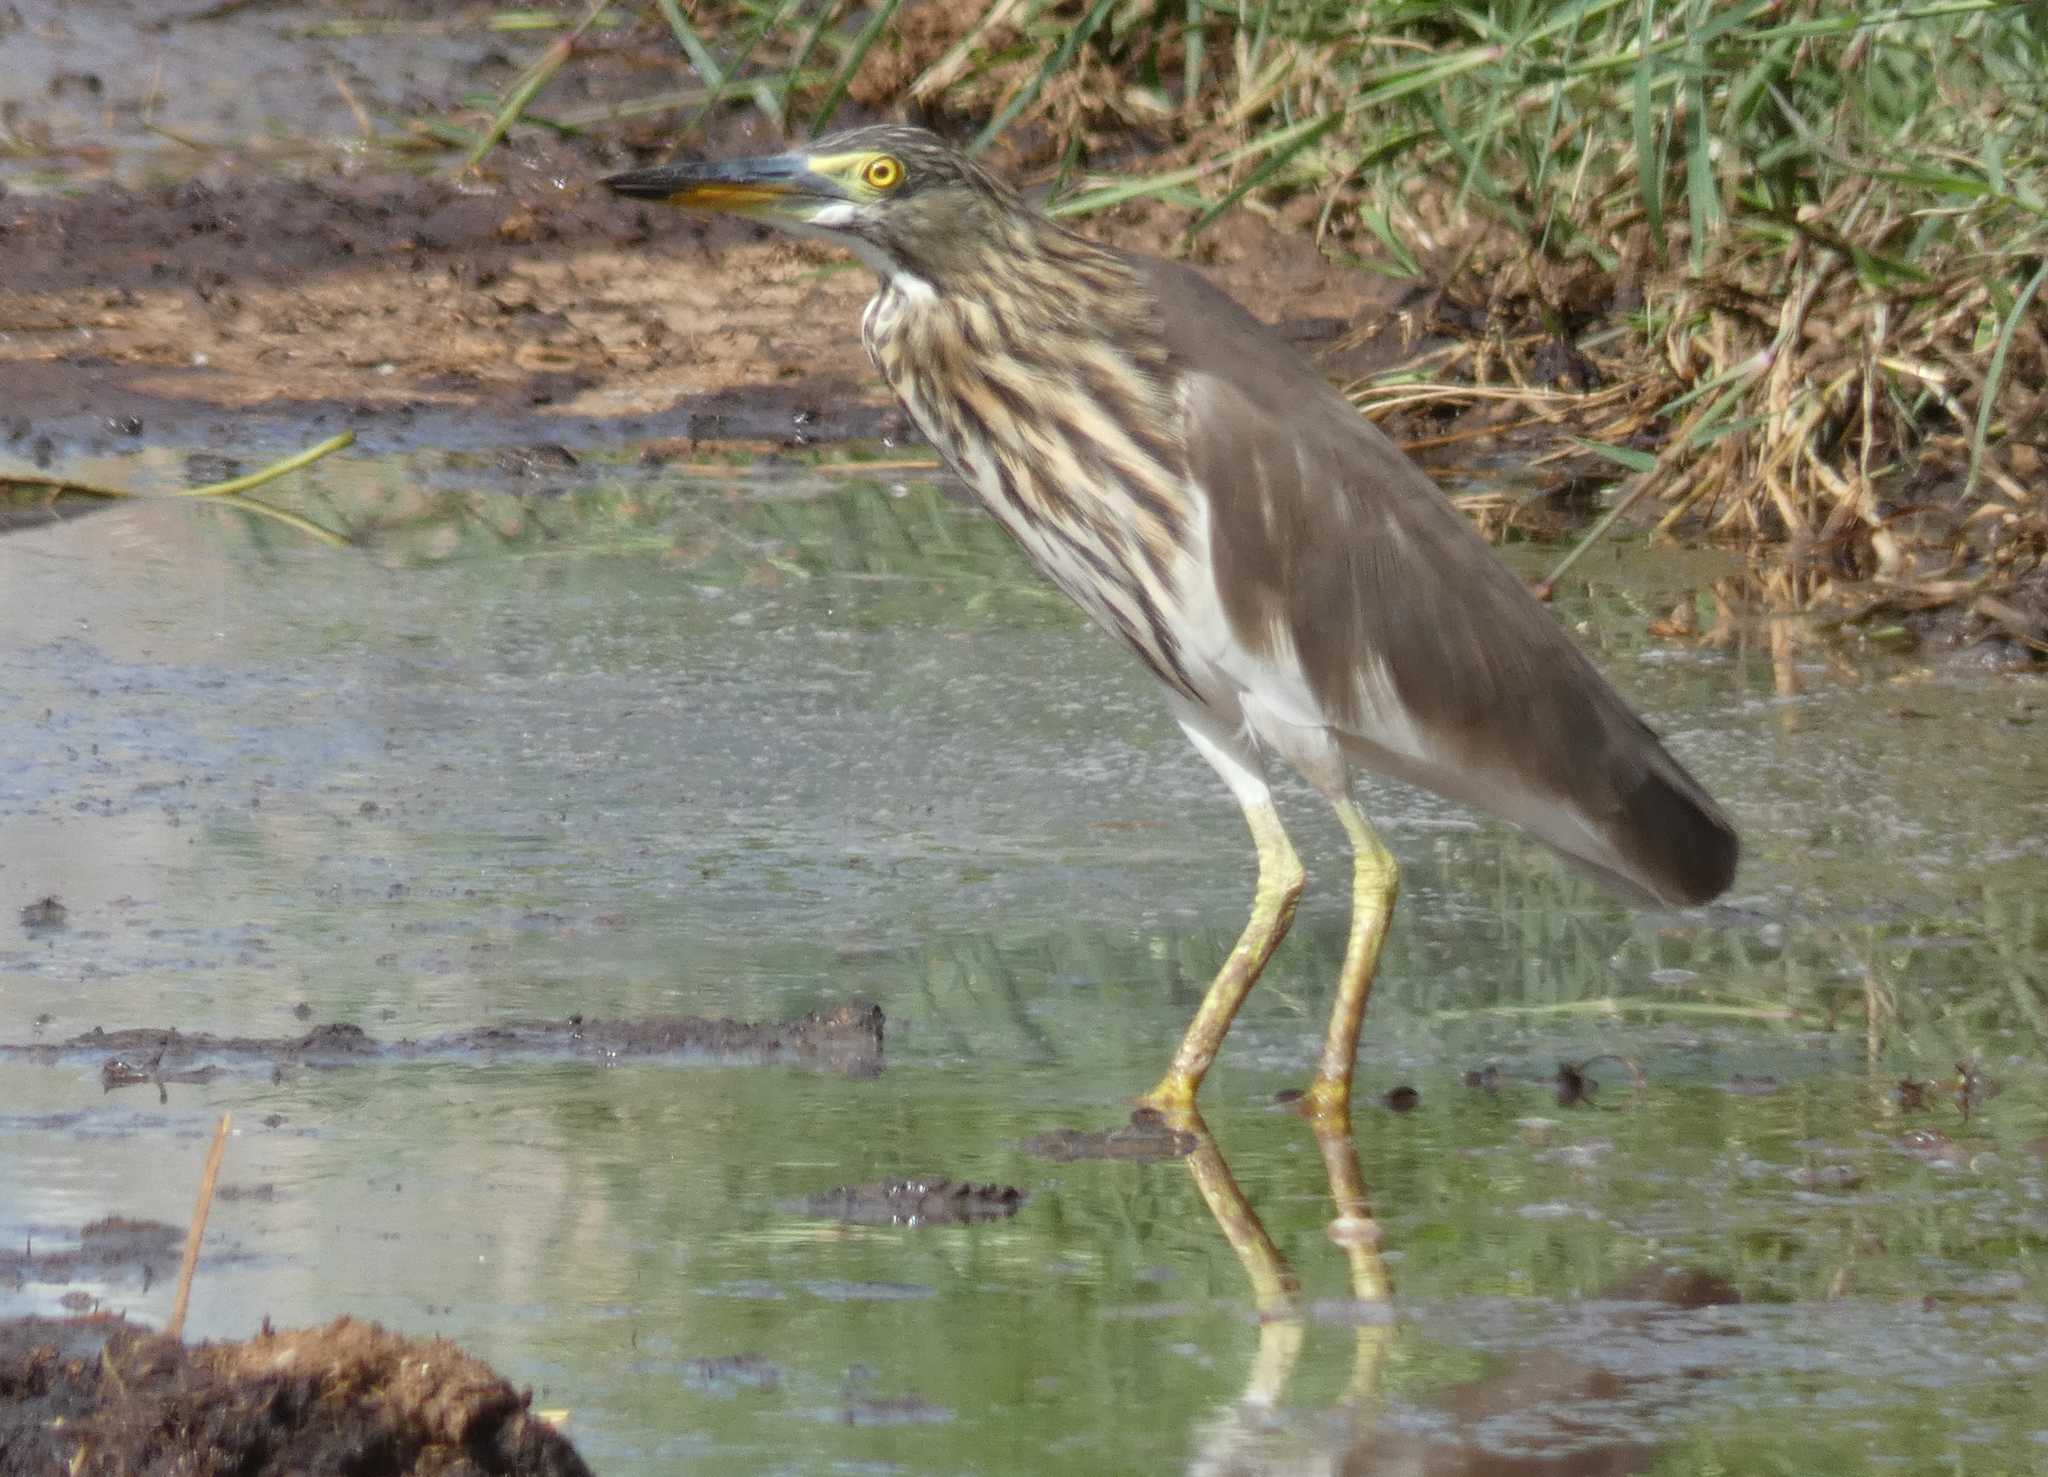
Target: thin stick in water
(197,1230)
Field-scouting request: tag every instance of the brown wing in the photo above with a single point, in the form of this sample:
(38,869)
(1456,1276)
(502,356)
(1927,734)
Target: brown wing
(1323,530)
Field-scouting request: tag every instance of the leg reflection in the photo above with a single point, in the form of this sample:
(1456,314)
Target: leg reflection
(1238,1437)
(1357,1235)
(1275,1290)
(1567,1415)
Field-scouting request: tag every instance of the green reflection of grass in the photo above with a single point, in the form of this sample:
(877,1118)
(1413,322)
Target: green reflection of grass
(907,544)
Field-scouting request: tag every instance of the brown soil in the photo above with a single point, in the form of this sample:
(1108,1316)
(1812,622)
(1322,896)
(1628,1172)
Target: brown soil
(349,1397)
(247,311)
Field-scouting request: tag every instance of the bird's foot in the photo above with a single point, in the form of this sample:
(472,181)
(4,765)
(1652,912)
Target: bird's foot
(1173,1098)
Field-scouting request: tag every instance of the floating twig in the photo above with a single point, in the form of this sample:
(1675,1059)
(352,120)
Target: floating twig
(228,493)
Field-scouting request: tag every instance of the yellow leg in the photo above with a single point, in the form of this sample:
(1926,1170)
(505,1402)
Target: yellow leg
(1376,878)
(1279,889)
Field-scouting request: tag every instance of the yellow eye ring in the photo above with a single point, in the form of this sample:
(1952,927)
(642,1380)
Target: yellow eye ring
(881,173)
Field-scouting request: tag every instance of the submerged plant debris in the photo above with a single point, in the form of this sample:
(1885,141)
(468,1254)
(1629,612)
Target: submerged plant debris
(44,914)
(917,1200)
(847,1036)
(107,1250)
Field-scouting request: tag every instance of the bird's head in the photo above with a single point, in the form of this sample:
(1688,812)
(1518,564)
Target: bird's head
(902,198)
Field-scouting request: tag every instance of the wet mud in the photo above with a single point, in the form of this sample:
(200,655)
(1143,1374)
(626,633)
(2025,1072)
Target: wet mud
(99,1396)
(845,1037)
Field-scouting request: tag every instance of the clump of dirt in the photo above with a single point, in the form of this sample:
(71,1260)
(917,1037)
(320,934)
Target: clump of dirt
(922,1200)
(349,1397)
(106,1248)
(44,915)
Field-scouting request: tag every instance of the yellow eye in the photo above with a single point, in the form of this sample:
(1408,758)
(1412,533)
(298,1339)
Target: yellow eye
(881,173)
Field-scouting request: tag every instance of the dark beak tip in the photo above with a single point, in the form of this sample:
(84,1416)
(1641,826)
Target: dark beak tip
(639,183)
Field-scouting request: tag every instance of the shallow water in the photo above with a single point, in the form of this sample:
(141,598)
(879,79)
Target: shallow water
(619,742)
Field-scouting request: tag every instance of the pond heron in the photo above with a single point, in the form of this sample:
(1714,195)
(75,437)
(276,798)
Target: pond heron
(1293,581)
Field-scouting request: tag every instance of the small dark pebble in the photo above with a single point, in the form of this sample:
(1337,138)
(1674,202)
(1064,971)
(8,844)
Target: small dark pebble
(303,1011)
(1574,1087)
(1403,1099)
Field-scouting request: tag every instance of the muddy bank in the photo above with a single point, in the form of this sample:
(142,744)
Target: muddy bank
(846,1037)
(249,311)
(100,1396)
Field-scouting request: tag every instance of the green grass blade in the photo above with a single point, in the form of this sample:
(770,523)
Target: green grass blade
(1987,402)
(1275,160)
(850,63)
(1028,94)
(762,89)
(1625,457)
(1701,197)
(1649,163)
(528,87)
(826,13)
(1158,185)
(693,45)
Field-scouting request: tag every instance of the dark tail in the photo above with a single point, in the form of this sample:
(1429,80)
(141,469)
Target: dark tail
(1679,845)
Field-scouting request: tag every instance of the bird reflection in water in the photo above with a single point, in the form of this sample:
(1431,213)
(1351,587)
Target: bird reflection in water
(1538,1414)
